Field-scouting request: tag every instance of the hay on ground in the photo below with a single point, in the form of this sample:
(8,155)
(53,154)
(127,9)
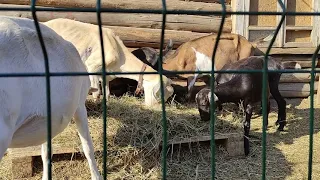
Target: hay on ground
(135,132)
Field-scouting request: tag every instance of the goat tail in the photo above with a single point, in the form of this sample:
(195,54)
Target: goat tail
(291,65)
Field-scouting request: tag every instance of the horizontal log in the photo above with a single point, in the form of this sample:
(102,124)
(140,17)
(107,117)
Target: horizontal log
(130,4)
(303,87)
(300,57)
(294,94)
(145,37)
(296,77)
(297,90)
(154,21)
(304,64)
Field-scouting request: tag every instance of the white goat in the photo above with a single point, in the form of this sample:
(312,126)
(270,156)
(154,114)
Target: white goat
(85,37)
(23,112)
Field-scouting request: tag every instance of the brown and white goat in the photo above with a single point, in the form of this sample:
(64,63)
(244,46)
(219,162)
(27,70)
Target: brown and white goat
(246,87)
(195,55)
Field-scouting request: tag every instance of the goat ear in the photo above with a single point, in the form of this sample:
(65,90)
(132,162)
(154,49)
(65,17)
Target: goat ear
(215,97)
(92,89)
(263,39)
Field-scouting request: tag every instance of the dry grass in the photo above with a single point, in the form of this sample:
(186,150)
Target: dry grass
(134,133)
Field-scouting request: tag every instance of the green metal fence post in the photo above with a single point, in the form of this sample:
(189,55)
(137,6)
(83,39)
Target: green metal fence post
(212,105)
(48,90)
(311,122)
(163,107)
(104,102)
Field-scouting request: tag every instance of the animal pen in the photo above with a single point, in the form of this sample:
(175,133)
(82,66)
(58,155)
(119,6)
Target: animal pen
(296,33)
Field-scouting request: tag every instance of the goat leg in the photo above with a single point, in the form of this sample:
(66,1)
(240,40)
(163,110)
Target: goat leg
(44,157)
(246,126)
(281,108)
(274,90)
(86,141)
(268,110)
(189,89)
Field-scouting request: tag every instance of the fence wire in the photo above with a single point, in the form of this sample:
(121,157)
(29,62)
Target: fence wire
(164,12)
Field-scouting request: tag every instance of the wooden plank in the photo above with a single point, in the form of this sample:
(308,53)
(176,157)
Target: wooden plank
(154,21)
(299,28)
(298,45)
(233,142)
(210,1)
(22,158)
(294,94)
(316,24)
(36,150)
(238,25)
(120,4)
(318,95)
(281,35)
(283,57)
(261,28)
(217,136)
(284,51)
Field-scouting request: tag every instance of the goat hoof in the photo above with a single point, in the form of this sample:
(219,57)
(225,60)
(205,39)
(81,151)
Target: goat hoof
(281,123)
(246,153)
(280,128)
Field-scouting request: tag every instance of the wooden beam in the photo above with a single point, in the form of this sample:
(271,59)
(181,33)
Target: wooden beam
(174,22)
(120,4)
(238,21)
(210,1)
(286,51)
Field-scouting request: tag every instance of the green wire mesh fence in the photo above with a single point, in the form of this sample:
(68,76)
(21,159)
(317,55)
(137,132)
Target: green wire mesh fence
(164,12)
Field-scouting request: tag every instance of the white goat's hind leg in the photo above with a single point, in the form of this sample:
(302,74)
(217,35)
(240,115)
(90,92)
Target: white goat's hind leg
(107,87)
(95,84)
(44,157)
(107,91)
(5,137)
(86,140)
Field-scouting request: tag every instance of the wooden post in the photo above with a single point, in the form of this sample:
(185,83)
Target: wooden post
(318,95)
(235,145)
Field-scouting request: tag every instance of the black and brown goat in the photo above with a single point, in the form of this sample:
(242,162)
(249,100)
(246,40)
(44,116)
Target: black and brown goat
(246,87)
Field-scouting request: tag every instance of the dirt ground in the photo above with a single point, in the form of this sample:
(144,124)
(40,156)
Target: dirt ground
(134,132)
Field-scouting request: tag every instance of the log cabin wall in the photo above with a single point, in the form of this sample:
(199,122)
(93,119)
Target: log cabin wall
(295,42)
